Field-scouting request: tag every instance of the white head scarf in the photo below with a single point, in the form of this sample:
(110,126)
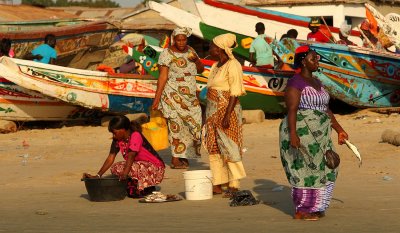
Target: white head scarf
(181,31)
(345,29)
(225,42)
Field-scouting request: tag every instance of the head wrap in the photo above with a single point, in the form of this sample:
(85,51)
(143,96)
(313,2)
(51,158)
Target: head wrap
(345,29)
(315,22)
(226,42)
(300,53)
(181,31)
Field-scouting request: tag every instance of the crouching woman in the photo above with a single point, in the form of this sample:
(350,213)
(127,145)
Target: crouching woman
(141,162)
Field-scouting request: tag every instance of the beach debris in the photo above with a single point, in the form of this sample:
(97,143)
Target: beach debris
(355,151)
(24,159)
(243,198)
(41,212)
(387,178)
(25,144)
(277,189)
(7,126)
(253,116)
(363,117)
(160,197)
(391,137)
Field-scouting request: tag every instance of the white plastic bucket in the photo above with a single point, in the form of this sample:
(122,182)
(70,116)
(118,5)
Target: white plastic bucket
(198,185)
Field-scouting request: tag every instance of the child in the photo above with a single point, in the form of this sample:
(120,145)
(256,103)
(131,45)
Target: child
(142,163)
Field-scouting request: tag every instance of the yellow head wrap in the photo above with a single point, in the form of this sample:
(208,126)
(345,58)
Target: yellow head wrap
(225,42)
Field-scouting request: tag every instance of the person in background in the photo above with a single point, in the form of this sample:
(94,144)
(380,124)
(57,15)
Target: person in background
(44,53)
(344,33)
(316,34)
(129,66)
(141,162)
(177,99)
(292,33)
(305,136)
(369,40)
(223,137)
(5,48)
(260,51)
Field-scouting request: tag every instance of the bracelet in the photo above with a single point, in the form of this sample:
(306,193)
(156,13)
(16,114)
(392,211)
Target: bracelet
(98,175)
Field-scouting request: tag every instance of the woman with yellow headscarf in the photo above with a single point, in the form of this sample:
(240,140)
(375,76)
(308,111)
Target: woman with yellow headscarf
(176,98)
(223,136)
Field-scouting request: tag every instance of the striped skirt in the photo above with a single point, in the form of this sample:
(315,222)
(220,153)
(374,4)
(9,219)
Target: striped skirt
(308,200)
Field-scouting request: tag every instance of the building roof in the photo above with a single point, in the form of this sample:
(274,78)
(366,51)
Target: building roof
(31,13)
(92,13)
(305,2)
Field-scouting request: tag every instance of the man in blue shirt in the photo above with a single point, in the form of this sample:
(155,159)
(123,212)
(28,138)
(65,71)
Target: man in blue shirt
(44,53)
(261,48)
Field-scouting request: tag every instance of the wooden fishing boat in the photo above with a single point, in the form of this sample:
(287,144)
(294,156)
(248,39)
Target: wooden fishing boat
(264,87)
(71,39)
(13,26)
(120,93)
(20,104)
(208,32)
(358,76)
(216,13)
(387,27)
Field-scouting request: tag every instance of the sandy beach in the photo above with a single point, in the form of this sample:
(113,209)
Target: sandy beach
(47,195)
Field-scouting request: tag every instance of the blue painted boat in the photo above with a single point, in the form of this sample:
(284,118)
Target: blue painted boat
(120,93)
(358,76)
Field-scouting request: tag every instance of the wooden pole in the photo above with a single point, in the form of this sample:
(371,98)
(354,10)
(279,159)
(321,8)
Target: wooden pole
(366,38)
(334,40)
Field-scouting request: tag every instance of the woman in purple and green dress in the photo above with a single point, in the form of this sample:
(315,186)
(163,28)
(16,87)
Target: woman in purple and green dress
(304,137)
(176,98)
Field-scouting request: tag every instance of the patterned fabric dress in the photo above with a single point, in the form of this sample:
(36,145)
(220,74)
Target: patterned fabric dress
(147,169)
(179,104)
(305,167)
(224,145)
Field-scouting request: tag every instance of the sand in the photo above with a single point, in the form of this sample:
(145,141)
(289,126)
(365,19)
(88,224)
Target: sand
(46,194)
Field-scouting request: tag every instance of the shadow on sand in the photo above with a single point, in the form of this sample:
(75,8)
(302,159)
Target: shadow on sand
(274,195)
(194,164)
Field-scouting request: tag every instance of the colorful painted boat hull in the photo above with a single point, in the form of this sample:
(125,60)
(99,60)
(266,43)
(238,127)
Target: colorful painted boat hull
(244,18)
(20,104)
(359,77)
(70,39)
(264,87)
(90,89)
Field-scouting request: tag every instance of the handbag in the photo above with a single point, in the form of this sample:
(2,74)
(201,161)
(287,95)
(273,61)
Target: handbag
(332,159)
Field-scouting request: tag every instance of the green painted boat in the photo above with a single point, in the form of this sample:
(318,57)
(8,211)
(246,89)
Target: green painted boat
(264,87)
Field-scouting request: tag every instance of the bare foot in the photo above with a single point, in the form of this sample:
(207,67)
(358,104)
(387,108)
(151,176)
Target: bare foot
(177,163)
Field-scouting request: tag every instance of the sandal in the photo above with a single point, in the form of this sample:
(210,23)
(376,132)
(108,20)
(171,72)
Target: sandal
(180,166)
(228,194)
(217,190)
(306,216)
(320,214)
